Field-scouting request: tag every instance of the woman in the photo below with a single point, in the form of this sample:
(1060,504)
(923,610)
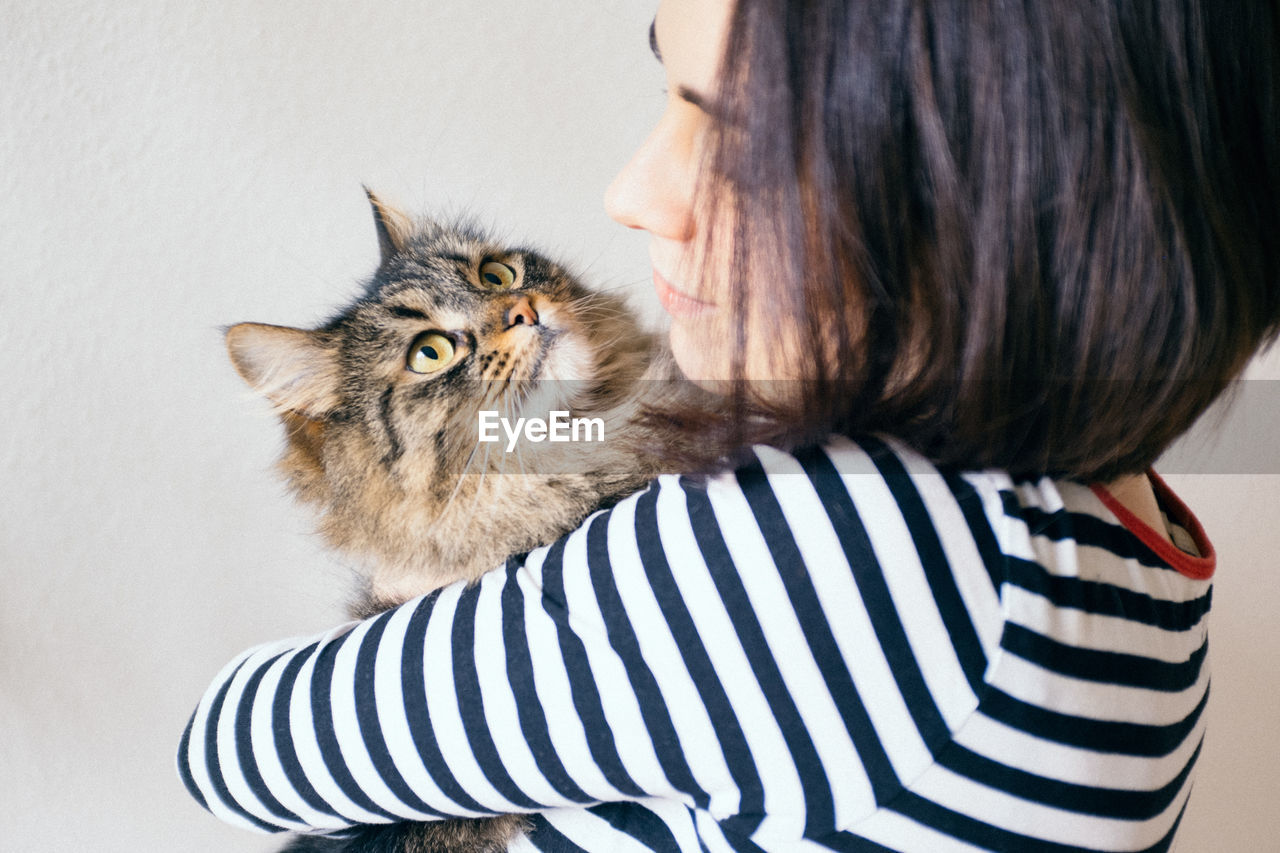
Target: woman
(968,270)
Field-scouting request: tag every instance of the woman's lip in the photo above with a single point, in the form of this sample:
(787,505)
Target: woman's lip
(677,304)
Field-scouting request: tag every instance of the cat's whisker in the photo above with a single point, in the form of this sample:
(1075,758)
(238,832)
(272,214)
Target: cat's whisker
(592,315)
(598,306)
(509,404)
(519,444)
(598,300)
(484,472)
(598,295)
(503,469)
(458,485)
(610,288)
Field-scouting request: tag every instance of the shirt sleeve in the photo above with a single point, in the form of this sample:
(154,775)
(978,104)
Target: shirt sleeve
(772,649)
(567,677)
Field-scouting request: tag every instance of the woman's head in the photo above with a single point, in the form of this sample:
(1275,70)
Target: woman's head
(1041,236)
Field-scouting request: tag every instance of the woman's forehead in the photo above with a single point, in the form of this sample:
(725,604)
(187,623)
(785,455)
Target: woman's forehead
(688,36)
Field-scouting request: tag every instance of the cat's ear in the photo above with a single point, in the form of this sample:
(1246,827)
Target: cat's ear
(292,368)
(393,226)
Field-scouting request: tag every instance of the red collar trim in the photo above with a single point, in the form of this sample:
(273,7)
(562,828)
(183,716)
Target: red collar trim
(1197,568)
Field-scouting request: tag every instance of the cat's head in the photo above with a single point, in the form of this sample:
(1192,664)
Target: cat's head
(382,402)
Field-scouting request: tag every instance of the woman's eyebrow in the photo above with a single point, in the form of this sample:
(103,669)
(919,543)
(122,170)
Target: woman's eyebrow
(692,97)
(684,92)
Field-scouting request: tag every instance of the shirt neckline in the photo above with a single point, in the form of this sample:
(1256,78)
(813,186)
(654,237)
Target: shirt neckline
(1195,567)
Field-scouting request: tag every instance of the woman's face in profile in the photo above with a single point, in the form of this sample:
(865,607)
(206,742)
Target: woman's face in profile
(654,192)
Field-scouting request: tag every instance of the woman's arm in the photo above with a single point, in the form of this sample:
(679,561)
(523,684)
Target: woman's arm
(571,676)
(776,648)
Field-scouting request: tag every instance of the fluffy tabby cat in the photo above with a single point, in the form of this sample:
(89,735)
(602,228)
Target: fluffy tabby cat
(381,406)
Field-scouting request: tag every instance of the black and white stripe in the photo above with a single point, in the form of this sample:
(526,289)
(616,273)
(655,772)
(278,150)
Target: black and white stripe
(842,649)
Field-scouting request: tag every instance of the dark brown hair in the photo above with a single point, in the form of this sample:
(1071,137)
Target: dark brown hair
(1038,236)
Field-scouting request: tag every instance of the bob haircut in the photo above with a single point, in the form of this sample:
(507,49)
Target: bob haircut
(1030,235)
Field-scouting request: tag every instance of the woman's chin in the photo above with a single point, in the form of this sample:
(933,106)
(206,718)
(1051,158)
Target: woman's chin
(699,358)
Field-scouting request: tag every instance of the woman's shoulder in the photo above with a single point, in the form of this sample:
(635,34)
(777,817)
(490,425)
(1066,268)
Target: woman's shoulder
(870,511)
(881,484)
(878,473)
(877,480)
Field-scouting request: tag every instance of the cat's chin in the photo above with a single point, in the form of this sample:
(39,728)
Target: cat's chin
(570,361)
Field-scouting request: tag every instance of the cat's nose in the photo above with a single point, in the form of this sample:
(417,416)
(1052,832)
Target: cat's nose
(521,313)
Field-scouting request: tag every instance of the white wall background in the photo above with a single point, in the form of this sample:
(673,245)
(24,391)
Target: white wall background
(167,168)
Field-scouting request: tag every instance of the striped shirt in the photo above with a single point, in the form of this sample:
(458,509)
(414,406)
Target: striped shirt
(841,649)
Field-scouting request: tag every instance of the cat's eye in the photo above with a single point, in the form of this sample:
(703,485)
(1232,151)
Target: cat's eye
(429,352)
(497,275)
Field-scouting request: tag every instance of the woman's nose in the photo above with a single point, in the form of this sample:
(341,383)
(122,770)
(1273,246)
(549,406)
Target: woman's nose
(654,191)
